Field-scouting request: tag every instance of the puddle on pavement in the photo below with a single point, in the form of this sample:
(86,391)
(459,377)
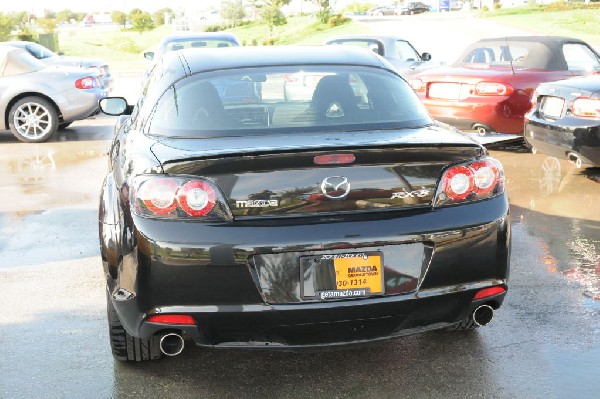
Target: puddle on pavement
(560,205)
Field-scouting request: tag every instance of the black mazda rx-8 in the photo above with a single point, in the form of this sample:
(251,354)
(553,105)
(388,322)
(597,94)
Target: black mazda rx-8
(293,197)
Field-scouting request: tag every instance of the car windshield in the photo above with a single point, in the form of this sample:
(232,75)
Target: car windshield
(286,99)
(40,52)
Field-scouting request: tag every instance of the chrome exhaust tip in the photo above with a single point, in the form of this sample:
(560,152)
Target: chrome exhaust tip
(483,315)
(171,344)
(574,159)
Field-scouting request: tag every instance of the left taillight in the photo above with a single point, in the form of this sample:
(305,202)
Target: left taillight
(89,82)
(178,198)
(585,107)
(472,181)
(493,89)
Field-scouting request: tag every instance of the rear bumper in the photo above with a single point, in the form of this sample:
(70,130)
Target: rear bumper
(328,324)
(167,268)
(79,104)
(500,114)
(563,137)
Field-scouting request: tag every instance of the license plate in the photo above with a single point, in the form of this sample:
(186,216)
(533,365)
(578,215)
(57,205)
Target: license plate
(552,106)
(343,276)
(447,91)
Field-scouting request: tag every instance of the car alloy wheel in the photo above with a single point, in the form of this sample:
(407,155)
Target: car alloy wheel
(33,120)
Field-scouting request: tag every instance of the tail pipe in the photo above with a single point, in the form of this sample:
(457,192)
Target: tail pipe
(483,315)
(171,344)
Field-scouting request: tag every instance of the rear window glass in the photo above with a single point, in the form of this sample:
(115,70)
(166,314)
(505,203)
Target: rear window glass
(286,99)
(196,43)
(496,55)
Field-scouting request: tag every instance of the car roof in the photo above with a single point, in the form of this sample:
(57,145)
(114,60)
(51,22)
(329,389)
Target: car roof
(253,56)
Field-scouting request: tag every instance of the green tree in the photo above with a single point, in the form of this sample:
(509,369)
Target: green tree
(133,12)
(324,12)
(48,25)
(142,22)
(270,12)
(119,17)
(7,24)
(159,15)
(65,16)
(233,11)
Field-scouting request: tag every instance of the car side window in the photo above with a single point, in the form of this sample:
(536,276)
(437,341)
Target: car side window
(372,45)
(580,57)
(405,51)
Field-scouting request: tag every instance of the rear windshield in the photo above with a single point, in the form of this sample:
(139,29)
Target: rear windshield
(286,99)
(181,44)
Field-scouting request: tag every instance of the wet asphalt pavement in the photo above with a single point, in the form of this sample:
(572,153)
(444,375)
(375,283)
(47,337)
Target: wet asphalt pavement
(543,343)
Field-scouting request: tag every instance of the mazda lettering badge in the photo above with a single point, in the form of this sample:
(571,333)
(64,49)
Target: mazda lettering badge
(335,187)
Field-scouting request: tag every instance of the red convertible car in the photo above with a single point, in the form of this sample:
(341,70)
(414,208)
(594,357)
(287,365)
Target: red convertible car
(490,85)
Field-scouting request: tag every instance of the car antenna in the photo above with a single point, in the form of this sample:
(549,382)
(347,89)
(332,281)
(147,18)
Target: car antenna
(512,68)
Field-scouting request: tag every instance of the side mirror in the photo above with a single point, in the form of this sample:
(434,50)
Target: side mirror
(114,106)
(149,55)
(426,57)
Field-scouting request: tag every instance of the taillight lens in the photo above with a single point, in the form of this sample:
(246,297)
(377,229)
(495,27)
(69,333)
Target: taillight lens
(586,107)
(472,181)
(417,84)
(178,198)
(88,82)
(291,77)
(493,89)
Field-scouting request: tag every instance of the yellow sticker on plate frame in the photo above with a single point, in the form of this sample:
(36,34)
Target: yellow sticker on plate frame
(359,272)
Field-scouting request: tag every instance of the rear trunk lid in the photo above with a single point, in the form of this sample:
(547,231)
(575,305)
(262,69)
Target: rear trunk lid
(309,175)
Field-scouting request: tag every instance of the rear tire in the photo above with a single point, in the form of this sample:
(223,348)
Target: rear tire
(33,120)
(126,348)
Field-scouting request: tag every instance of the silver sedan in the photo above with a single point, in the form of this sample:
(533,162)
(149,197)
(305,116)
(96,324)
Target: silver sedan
(36,100)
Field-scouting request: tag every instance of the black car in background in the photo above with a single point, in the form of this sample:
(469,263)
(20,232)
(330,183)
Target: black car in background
(413,7)
(346,217)
(565,120)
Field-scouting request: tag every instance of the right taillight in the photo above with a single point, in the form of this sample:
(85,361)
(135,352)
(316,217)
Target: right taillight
(493,89)
(178,198)
(585,107)
(88,82)
(417,84)
(471,181)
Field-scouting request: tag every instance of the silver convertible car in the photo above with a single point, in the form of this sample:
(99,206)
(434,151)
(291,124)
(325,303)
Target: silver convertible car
(36,100)
(49,57)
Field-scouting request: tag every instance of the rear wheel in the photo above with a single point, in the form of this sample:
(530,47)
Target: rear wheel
(33,120)
(466,324)
(126,347)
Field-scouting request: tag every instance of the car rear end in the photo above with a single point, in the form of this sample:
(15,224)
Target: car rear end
(291,231)
(77,90)
(564,120)
(271,260)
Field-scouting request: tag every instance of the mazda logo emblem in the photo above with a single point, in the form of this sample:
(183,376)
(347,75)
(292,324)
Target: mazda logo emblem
(335,187)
